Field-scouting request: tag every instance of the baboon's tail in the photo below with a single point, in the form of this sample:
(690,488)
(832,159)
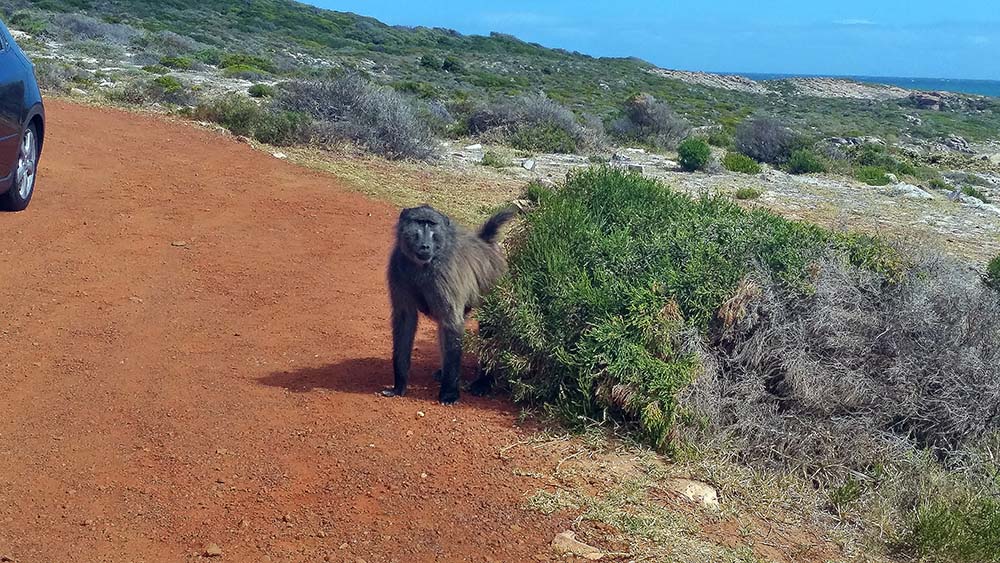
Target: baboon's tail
(490,228)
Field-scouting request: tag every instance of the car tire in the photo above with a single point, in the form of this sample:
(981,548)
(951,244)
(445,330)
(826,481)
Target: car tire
(25,170)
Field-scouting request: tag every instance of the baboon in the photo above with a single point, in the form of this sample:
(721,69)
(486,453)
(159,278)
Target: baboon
(441,270)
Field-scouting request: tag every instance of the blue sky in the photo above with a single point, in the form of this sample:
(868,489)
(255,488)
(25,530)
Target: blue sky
(924,38)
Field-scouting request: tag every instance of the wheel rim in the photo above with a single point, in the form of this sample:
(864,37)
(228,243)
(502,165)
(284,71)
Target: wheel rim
(26,161)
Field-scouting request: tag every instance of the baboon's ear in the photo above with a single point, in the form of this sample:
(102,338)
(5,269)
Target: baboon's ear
(405,213)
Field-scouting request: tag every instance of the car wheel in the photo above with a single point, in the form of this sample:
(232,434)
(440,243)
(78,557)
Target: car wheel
(19,195)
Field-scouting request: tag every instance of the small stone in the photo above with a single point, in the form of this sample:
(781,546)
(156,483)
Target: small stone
(213,550)
(696,492)
(6,559)
(343,546)
(244,523)
(286,518)
(321,534)
(178,243)
(528,164)
(565,543)
(474,147)
(409,432)
(420,414)
(423,475)
(87,523)
(77,92)
(280,155)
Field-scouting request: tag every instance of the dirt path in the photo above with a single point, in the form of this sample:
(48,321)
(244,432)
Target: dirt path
(193,334)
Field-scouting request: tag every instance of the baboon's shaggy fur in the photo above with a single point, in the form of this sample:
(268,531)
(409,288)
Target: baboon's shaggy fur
(441,270)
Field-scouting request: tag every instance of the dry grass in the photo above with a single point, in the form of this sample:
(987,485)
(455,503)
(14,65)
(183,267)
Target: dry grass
(614,491)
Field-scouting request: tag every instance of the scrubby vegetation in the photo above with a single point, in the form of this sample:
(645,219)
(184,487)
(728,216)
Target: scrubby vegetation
(612,272)
(993,273)
(694,154)
(873,371)
(245,117)
(532,123)
(747,193)
(736,162)
(650,121)
(805,161)
(872,175)
(764,139)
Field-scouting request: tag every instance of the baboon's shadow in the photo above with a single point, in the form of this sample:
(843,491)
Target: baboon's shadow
(369,376)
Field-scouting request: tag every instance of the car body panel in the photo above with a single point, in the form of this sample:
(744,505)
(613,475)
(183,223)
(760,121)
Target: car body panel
(20,104)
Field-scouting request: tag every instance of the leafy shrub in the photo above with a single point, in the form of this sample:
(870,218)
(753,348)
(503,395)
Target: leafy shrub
(871,154)
(132,93)
(419,89)
(720,138)
(78,26)
(244,116)
(747,193)
(29,22)
(242,60)
(431,62)
(694,154)
(533,123)
(611,281)
(171,44)
(245,72)
(765,140)
(736,162)
(648,120)
(495,159)
(156,69)
(938,184)
(972,191)
(804,161)
(964,530)
(53,75)
(353,109)
(453,65)
(180,63)
(872,175)
(261,91)
(993,273)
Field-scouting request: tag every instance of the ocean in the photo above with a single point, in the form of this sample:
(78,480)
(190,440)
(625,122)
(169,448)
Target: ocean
(981,87)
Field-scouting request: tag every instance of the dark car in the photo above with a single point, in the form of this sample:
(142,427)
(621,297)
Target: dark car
(22,124)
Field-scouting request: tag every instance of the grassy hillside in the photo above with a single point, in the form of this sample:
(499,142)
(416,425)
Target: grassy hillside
(288,39)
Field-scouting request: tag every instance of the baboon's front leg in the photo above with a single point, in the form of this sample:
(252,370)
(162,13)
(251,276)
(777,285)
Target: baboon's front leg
(404,327)
(450,339)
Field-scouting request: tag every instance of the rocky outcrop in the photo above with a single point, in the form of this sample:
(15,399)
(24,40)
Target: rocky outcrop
(842,88)
(724,81)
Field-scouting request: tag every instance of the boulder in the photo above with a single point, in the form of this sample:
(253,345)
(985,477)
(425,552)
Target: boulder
(927,100)
(910,191)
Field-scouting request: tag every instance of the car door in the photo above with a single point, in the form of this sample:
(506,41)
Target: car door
(11,102)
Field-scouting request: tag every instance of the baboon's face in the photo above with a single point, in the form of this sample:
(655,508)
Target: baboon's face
(422,235)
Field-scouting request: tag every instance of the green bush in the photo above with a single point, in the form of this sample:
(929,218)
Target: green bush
(230,60)
(495,159)
(261,91)
(965,530)
(156,69)
(244,116)
(938,184)
(431,62)
(720,138)
(28,22)
(608,277)
(972,191)
(694,154)
(871,154)
(747,193)
(180,63)
(993,273)
(169,84)
(804,161)
(246,72)
(872,175)
(453,65)
(544,138)
(736,162)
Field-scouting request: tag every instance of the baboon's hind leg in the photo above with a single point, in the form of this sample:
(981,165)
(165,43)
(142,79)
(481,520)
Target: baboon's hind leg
(450,337)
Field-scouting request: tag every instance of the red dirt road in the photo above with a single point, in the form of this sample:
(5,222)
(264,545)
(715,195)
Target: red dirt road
(158,397)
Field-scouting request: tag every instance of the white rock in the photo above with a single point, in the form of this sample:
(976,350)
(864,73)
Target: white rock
(696,492)
(910,191)
(475,147)
(280,155)
(528,164)
(892,178)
